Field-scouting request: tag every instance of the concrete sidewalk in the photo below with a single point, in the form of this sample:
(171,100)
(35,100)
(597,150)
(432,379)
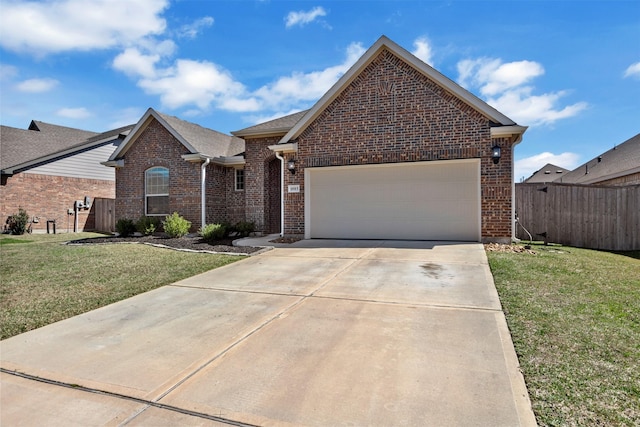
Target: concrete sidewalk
(318,333)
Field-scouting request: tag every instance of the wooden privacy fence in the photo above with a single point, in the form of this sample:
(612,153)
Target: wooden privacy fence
(580,215)
(104,210)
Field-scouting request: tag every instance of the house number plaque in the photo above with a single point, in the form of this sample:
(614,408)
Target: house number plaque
(294,188)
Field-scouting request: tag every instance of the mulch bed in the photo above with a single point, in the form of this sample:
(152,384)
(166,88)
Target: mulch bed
(498,247)
(187,243)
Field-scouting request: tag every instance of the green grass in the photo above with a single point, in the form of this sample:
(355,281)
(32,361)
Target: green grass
(574,315)
(10,241)
(44,281)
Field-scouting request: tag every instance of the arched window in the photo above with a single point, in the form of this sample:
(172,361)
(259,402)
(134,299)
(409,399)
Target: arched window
(156,191)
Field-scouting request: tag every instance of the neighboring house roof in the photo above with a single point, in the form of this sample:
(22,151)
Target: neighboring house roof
(547,173)
(502,125)
(43,143)
(621,160)
(279,126)
(21,146)
(200,141)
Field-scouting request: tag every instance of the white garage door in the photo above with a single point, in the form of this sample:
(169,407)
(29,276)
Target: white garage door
(413,201)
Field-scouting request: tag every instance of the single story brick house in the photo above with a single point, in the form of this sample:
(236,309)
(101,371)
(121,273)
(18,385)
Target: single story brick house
(46,168)
(394,150)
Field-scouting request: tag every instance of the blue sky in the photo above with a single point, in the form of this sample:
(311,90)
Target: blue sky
(570,70)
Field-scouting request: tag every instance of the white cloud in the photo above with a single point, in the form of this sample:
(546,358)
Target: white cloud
(204,84)
(63,25)
(302,18)
(192,30)
(134,63)
(524,168)
(523,107)
(290,90)
(633,71)
(199,83)
(74,113)
(37,85)
(422,49)
(491,76)
(506,86)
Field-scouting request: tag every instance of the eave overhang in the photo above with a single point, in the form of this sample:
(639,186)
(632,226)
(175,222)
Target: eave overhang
(291,147)
(114,163)
(229,161)
(261,133)
(515,132)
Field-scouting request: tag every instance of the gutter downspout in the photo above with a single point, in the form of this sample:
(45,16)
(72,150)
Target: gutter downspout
(203,202)
(279,157)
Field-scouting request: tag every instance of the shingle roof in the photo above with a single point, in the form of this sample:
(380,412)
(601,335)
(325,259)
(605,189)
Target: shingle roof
(279,126)
(205,141)
(621,160)
(41,139)
(547,173)
(23,148)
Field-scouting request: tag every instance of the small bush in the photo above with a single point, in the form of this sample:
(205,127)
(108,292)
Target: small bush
(17,223)
(147,225)
(176,226)
(245,228)
(211,232)
(125,227)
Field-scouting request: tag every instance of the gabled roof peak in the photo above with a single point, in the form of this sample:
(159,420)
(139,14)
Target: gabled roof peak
(369,56)
(197,139)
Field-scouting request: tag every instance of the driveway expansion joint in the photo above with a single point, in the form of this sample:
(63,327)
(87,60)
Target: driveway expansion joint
(149,403)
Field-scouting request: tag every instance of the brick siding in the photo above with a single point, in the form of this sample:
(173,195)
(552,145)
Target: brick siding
(257,188)
(50,197)
(392,113)
(157,147)
(224,203)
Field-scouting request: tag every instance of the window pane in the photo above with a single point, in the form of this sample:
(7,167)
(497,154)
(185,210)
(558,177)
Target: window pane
(239,179)
(157,181)
(158,205)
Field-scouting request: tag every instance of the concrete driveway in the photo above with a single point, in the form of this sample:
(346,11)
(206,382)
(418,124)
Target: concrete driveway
(319,333)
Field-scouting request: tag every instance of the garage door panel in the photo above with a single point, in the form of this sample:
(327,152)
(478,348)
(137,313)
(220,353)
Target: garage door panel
(425,200)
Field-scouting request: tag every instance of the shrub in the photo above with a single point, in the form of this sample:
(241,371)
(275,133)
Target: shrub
(211,232)
(17,223)
(245,228)
(147,225)
(125,227)
(176,226)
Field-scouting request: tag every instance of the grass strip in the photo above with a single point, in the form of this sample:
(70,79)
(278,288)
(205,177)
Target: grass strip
(45,281)
(574,315)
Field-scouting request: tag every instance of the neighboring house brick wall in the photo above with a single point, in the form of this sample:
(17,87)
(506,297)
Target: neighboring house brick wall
(50,197)
(392,113)
(157,147)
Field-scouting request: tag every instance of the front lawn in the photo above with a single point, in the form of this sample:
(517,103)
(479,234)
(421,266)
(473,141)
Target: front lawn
(43,281)
(574,315)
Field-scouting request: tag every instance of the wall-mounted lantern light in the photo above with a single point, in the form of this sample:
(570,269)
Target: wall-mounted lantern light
(291,165)
(496,153)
